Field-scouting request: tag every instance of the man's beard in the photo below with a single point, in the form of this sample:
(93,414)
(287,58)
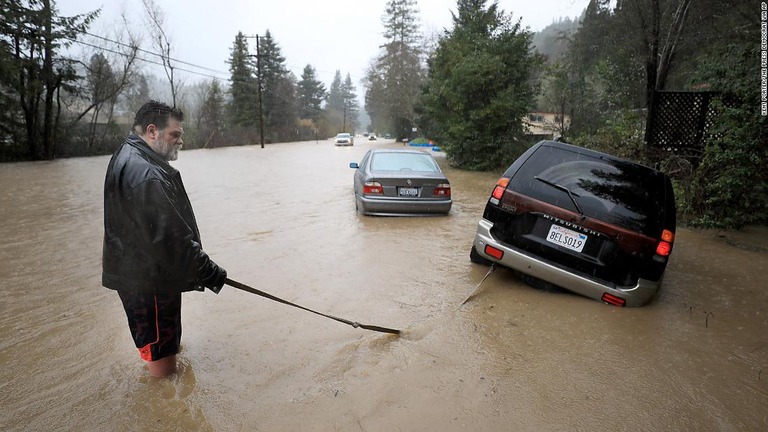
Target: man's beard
(168,151)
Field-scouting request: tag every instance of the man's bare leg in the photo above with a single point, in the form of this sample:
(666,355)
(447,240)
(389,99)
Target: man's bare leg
(163,367)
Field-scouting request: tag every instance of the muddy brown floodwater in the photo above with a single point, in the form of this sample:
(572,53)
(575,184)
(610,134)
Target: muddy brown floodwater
(282,219)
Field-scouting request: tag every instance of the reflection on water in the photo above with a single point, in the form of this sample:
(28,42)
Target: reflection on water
(282,220)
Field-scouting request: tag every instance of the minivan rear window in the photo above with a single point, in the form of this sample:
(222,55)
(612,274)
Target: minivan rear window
(621,193)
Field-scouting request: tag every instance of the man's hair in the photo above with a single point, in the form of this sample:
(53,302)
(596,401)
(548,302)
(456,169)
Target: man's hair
(156,113)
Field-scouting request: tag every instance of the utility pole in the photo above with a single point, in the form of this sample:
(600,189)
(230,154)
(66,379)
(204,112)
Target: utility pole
(344,124)
(261,111)
(258,80)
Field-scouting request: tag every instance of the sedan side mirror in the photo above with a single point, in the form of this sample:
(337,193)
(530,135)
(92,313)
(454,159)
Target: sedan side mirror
(354,165)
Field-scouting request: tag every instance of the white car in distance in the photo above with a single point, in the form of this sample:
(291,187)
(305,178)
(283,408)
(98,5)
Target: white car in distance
(344,139)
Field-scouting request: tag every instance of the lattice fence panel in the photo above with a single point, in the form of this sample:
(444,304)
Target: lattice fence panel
(679,122)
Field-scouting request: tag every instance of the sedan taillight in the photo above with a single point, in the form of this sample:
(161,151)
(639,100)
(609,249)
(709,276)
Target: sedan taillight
(372,188)
(442,190)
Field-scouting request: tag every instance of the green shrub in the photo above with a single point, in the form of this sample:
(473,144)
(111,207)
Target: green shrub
(729,188)
(621,135)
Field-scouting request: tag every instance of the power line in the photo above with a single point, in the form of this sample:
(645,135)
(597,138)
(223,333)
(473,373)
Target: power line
(153,53)
(290,67)
(231,78)
(142,59)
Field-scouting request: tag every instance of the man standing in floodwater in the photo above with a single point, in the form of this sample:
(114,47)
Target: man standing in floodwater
(152,250)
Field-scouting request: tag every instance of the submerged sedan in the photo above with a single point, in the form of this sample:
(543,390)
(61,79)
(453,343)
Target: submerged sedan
(396,182)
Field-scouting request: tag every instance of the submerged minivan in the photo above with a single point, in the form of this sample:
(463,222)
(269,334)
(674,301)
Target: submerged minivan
(585,221)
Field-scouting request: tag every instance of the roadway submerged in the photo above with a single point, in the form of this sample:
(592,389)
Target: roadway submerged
(282,219)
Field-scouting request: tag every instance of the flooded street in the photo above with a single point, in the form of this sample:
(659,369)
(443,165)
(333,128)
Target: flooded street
(282,219)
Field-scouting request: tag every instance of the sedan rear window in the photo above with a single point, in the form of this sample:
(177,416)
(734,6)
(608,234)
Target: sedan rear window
(403,162)
(624,194)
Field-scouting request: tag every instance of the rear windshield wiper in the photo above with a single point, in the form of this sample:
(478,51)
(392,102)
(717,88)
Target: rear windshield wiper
(571,195)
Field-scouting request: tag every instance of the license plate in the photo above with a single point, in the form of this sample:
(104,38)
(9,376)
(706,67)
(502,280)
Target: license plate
(409,192)
(566,238)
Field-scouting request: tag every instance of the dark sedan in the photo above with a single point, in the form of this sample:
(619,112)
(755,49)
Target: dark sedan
(397,182)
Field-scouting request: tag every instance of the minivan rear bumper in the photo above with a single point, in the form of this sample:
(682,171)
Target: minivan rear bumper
(517,259)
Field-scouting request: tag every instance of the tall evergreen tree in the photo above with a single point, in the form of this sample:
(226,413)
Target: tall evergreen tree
(284,114)
(591,52)
(342,109)
(243,109)
(351,109)
(481,86)
(335,99)
(375,103)
(279,90)
(399,69)
(211,120)
(212,111)
(334,105)
(311,94)
(101,82)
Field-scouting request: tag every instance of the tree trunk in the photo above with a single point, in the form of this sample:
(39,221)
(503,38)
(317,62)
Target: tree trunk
(58,115)
(110,117)
(670,44)
(28,97)
(50,81)
(652,60)
(94,120)
(651,66)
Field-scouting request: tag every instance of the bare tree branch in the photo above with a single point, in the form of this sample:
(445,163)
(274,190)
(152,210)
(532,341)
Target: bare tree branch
(162,43)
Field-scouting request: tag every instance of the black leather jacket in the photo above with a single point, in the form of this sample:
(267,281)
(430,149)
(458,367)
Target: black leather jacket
(151,239)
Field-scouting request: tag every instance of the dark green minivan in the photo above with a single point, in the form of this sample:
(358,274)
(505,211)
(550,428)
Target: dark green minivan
(586,221)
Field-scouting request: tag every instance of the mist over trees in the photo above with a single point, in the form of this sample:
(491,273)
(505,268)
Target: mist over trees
(211,119)
(342,110)
(552,41)
(394,79)
(57,105)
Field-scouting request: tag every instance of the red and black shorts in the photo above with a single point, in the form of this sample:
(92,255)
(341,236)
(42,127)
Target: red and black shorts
(155,322)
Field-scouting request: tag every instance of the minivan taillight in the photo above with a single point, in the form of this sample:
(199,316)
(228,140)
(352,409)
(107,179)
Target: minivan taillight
(494,252)
(372,188)
(665,244)
(442,190)
(501,186)
(612,299)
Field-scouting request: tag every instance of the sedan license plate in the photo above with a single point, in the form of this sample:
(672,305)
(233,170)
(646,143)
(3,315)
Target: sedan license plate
(566,238)
(408,191)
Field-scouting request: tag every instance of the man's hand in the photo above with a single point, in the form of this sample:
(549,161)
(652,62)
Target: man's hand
(216,282)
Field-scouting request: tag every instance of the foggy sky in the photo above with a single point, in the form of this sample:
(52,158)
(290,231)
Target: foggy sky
(329,34)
